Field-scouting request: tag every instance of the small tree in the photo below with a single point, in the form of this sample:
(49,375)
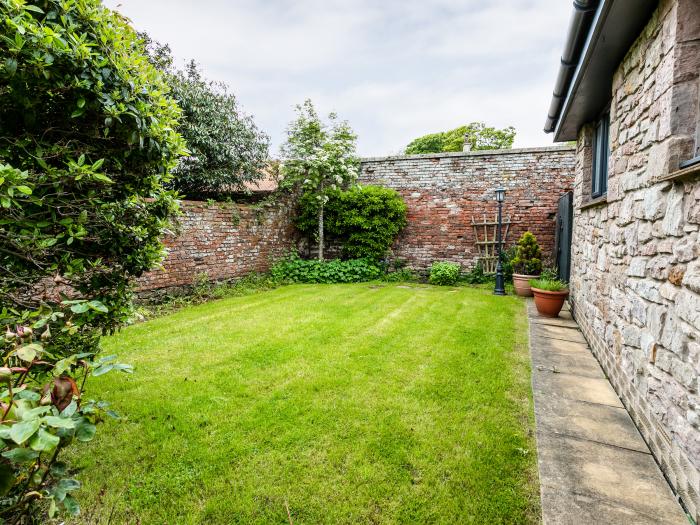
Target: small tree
(226,147)
(479,135)
(87,141)
(528,256)
(318,158)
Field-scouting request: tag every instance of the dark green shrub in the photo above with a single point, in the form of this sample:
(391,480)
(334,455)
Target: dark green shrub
(400,276)
(549,285)
(293,269)
(87,144)
(477,275)
(507,257)
(528,256)
(364,219)
(444,273)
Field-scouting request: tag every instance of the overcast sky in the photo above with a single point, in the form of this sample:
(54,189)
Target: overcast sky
(395,69)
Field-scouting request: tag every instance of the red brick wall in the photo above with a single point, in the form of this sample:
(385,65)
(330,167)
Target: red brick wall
(223,240)
(444,191)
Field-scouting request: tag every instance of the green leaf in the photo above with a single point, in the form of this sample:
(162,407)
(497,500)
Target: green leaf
(72,506)
(70,409)
(80,308)
(35,413)
(85,431)
(7,478)
(29,395)
(44,441)
(59,422)
(21,432)
(77,113)
(81,103)
(64,364)
(103,178)
(24,189)
(103,369)
(29,352)
(11,66)
(97,305)
(20,455)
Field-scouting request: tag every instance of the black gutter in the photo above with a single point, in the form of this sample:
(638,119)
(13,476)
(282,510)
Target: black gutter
(579,26)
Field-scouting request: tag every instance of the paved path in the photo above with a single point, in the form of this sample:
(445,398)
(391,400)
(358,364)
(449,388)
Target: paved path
(594,465)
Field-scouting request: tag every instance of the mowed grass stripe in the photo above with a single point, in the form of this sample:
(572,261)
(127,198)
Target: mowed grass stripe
(346,403)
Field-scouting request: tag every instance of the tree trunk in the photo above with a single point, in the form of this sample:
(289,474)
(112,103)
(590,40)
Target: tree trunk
(320,232)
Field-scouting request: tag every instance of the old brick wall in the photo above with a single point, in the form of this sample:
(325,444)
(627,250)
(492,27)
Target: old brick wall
(445,191)
(636,271)
(223,240)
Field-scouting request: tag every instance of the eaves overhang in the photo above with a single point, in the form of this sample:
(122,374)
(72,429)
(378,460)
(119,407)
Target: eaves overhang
(611,29)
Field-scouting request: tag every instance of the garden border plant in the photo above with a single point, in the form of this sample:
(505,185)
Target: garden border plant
(89,141)
(527,263)
(365,220)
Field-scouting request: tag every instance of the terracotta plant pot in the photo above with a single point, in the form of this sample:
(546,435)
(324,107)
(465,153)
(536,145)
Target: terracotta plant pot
(521,283)
(549,304)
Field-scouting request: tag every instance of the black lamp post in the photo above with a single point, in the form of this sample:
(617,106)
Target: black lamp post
(500,284)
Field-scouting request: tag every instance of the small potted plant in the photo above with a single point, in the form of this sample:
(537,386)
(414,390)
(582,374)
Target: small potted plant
(527,264)
(550,295)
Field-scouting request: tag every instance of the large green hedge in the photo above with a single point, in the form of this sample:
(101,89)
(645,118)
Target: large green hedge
(365,220)
(87,139)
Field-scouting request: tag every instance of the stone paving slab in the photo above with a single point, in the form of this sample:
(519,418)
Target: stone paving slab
(594,465)
(571,363)
(616,477)
(578,419)
(558,332)
(575,387)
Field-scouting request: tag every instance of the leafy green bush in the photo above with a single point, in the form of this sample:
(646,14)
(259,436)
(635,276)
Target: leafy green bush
(481,137)
(293,269)
(226,147)
(400,276)
(550,285)
(528,256)
(87,144)
(507,257)
(477,275)
(365,219)
(444,273)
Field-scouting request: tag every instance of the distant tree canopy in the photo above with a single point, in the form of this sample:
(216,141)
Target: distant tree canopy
(226,147)
(480,137)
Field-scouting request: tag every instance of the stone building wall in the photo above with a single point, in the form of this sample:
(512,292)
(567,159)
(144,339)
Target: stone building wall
(224,241)
(635,279)
(445,191)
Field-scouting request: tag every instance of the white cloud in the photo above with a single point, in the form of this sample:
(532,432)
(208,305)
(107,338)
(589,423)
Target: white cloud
(395,69)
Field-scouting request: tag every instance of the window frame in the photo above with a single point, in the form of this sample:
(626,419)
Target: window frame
(601,156)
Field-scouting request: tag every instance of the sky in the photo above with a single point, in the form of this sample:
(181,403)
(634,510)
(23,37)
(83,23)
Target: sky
(395,69)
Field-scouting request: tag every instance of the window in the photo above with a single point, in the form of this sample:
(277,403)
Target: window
(601,153)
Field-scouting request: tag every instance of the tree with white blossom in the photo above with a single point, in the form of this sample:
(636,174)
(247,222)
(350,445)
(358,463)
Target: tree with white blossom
(318,158)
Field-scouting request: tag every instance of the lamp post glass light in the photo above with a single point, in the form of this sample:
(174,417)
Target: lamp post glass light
(500,284)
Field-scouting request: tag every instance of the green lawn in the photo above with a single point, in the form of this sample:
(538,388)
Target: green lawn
(343,403)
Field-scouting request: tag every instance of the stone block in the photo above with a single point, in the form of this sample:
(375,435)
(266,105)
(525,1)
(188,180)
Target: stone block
(637,267)
(673,218)
(654,203)
(691,278)
(688,307)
